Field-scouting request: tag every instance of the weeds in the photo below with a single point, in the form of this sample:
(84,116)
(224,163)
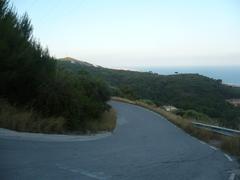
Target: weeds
(107,122)
(14,118)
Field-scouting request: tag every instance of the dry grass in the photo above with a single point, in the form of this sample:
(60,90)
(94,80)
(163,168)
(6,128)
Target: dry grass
(231,144)
(107,122)
(24,120)
(228,144)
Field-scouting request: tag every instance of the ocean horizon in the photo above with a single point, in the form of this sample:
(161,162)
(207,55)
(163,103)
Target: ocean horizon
(229,75)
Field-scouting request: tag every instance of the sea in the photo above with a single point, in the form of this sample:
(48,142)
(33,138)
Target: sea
(229,75)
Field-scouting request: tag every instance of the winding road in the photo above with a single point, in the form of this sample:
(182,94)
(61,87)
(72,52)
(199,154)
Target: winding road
(143,146)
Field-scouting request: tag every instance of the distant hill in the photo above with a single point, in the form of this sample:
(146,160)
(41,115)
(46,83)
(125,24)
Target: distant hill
(184,91)
(75,61)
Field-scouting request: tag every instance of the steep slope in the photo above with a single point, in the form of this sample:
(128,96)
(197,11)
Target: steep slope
(34,94)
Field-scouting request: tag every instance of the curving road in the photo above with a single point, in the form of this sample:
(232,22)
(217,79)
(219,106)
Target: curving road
(143,146)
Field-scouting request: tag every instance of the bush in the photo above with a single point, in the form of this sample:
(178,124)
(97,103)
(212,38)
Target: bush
(30,78)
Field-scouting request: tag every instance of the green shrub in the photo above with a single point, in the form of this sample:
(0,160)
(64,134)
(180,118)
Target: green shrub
(30,78)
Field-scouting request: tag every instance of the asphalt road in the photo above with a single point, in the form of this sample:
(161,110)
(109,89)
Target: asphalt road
(143,146)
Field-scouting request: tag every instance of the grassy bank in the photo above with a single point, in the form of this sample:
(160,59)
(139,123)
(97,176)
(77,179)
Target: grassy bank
(107,122)
(18,119)
(228,144)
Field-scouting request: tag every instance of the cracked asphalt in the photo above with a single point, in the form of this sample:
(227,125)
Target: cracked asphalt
(143,146)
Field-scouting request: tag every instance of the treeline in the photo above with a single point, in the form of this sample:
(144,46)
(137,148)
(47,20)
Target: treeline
(185,91)
(31,80)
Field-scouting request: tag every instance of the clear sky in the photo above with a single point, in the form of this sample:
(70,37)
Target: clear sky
(124,33)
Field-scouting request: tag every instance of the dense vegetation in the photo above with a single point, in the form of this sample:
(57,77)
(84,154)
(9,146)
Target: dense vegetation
(31,80)
(192,93)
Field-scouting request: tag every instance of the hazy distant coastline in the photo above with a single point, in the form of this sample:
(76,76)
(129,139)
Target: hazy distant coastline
(234,85)
(229,75)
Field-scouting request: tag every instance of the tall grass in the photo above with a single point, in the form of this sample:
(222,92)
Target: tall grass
(12,117)
(107,122)
(18,119)
(228,144)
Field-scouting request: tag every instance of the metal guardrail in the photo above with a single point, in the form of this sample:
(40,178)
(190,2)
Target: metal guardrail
(217,129)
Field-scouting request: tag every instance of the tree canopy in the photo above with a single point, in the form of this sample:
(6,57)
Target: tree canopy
(30,77)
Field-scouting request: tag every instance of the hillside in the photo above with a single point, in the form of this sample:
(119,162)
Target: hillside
(75,61)
(185,91)
(36,95)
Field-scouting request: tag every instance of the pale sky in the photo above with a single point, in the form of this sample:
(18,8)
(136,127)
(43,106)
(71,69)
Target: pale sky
(125,33)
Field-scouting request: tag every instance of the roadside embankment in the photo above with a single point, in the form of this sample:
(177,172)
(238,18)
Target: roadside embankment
(25,120)
(227,144)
